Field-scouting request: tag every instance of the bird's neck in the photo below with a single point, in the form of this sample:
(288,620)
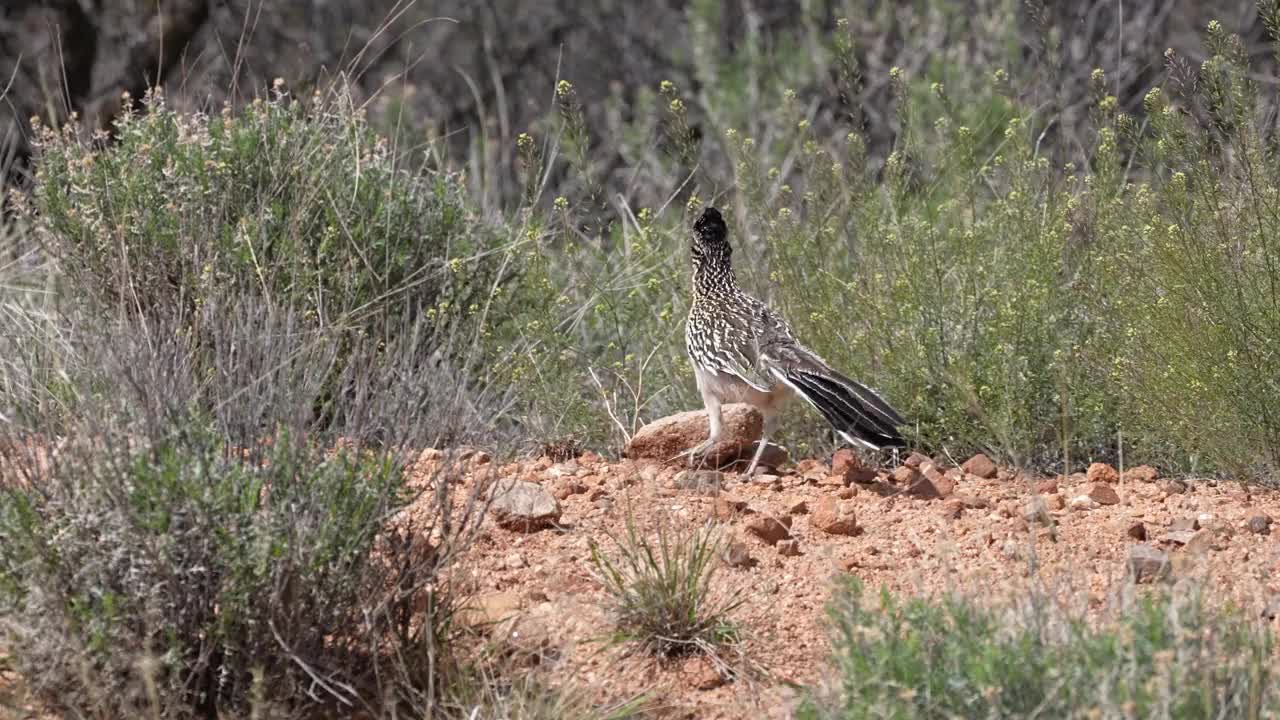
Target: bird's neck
(713,277)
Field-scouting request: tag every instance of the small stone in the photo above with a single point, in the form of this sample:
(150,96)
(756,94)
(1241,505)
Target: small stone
(953,508)
(834,518)
(1260,524)
(563,469)
(848,466)
(1083,502)
(1137,531)
(797,506)
(1102,473)
(765,479)
(769,528)
(728,507)
(1142,473)
(1201,542)
(737,555)
(568,487)
(915,460)
(1054,502)
(649,472)
(981,466)
(515,561)
(700,482)
(1184,524)
(1046,487)
(1174,487)
(845,493)
(1035,512)
(789,548)
(972,502)
(905,476)
(1271,610)
(707,677)
(1102,493)
(523,506)
(1147,563)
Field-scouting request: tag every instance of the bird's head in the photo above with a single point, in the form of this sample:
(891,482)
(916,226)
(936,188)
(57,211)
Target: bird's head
(710,238)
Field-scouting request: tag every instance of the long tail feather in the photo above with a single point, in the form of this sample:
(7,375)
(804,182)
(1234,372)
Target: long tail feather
(853,409)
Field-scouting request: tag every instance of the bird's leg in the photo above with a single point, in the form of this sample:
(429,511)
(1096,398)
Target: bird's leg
(770,424)
(716,423)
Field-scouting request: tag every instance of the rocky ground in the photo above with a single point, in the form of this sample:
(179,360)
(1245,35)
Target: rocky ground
(796,528)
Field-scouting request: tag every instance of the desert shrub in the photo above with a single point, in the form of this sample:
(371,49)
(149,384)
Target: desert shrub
(1164,656)
(297,199)
(201,543)
(1196,305)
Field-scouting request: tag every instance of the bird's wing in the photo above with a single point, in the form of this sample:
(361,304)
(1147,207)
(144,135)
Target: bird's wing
(735,351)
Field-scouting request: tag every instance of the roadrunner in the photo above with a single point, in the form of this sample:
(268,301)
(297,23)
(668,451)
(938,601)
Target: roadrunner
(744,352)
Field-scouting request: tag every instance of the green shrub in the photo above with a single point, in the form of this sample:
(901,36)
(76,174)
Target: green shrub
(1165,656)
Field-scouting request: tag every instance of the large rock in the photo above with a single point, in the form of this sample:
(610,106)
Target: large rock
(1147,563)
(1102,473)
(664,439)
(980,465)
(523,506)
(834,518)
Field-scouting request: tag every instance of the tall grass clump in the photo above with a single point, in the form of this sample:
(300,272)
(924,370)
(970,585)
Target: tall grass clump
(663,592)
(1163,656)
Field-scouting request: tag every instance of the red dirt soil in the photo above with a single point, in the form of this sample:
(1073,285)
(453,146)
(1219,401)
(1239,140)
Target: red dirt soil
(976,540)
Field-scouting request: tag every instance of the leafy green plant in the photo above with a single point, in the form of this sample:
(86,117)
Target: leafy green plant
(1163,656)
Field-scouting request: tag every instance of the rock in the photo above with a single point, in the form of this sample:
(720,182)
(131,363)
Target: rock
(1194,541)
(797,506)
(953,508)
(1147,563)
(1271,610)
(1184,524)
(728,507)
(567,487)
(1054,502)
(905,476)
(1142,473)
(848,466)
(523,506)
(700,482)
(1137,531)
(1260,524)
(769,528)
(1102,473)
(736,555)
(834,518)
(941,481)
(1036,512)
(845,493)
(789,548)
(567,468)
(1102,493)
(489,608)
(810,467)
(707,677)
(1083,502)
(980,465)
(927,489)
(1173,487)
(915,460)
(649,472)
(1046,487)
(665,438)
(972,502)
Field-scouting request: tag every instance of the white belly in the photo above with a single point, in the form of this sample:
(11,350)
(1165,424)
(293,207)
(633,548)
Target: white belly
(732,389)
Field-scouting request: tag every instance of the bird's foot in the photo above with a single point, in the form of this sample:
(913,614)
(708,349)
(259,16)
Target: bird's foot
(696,453)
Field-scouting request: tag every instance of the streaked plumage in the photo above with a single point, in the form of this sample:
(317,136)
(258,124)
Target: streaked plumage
(742,351)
